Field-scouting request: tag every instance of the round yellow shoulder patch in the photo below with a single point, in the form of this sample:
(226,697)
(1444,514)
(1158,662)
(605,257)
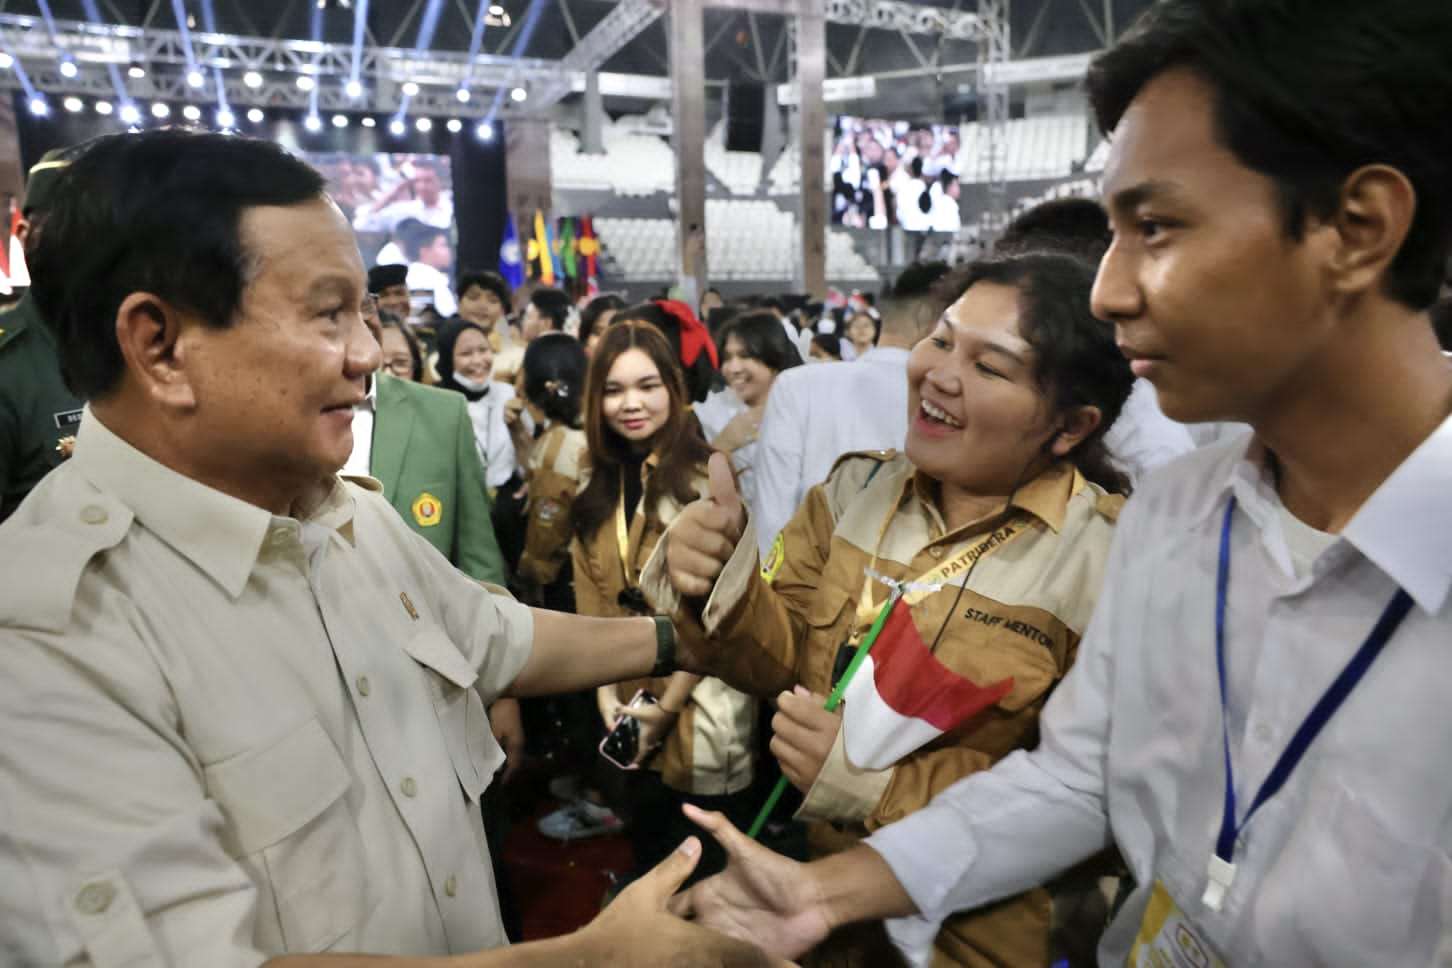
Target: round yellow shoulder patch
(427,510)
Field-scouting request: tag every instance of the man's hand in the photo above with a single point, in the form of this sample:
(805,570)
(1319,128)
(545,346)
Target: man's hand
(635,929)
(655,725)
(804,734)
(761,896)
(705,534)
(508,729)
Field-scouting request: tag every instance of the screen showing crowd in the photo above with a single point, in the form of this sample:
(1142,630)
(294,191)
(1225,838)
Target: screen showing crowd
(887,173)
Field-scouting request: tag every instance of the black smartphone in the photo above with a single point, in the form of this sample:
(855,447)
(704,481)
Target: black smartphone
(622,743)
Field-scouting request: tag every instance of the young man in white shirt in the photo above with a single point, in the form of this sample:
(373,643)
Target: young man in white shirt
(1258,716)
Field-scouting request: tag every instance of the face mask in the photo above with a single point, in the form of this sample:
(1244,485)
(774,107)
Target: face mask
(471,385)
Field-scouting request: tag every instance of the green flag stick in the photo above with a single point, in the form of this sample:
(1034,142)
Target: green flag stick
(833,701)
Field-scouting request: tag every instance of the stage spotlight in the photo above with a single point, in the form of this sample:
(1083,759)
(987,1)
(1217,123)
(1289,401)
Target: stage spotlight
(6,61)
(196,78)
(518,94)
(38,107)
(252,79)
(485,131)
(159,111)
(305,83)
(136,71)
(424,124)
(410,88)
(226,119)
(130,114)
(455,126)
(73,104)
(462,94)
(104,108)
(192,113)
(255,115)
(313,123)
(353,89)
(68,67)
(340,120)
(368,122)
(396,127)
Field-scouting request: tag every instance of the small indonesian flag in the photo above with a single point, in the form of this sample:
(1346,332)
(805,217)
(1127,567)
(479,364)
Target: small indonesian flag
(902,697)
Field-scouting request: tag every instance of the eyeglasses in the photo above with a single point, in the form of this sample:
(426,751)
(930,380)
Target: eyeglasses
(399,365)
(369,306)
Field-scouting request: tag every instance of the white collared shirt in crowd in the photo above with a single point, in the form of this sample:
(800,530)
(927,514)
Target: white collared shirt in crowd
(1143,438)
(1346,866)
(491,433)
(226,734)
(359,460)
(815,414)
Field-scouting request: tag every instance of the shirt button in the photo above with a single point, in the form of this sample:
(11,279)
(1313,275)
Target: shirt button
(451,885)
(363,687)
(936,551)
(409,788)
(94,514)
(95,898)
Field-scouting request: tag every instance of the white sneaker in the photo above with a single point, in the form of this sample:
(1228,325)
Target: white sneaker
(580,820)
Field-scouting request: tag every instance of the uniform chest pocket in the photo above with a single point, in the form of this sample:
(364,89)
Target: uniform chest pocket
(289,826)
(462,718)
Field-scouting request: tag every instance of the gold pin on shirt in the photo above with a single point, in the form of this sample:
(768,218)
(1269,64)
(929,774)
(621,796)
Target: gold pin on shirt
(408,605)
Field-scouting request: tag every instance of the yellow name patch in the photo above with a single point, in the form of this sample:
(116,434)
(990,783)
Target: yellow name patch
(427,510)
(774,559)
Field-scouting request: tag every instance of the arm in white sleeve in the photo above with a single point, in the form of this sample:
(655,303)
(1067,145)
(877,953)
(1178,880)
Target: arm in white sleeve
(780,445)
(499,461)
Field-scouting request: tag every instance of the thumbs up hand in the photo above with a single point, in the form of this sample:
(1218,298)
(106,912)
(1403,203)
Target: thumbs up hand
(705,535)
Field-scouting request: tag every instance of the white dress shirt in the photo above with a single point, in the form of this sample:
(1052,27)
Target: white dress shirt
(1348,864)
(1143,438)
(358,464)
(491,433)
(227,734)
(815,414)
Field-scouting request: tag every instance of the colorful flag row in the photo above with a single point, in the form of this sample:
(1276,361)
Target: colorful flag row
(557,250)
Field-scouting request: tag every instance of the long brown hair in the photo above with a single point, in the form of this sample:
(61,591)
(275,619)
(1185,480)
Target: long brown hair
(680,450)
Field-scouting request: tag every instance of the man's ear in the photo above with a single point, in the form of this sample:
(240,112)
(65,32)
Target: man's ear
(149,331)
(1372,219)
(1079,422)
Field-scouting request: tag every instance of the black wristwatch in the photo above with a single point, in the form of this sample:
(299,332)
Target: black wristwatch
(665,646)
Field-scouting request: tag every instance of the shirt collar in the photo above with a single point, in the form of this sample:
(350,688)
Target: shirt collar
(884,354)
(1046,497)
(220,534)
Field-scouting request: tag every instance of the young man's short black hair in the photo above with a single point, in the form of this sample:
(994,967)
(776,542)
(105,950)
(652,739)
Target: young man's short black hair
(159,212)
(489,281)
(1307,92)
(1076,226)
(414,236)
(552,303)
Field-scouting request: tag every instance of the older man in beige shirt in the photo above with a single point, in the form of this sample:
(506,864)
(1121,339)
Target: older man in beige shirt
(243,708)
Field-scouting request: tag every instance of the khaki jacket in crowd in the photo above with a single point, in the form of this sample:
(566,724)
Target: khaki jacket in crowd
(554,477)
(709,753)
(1020,617)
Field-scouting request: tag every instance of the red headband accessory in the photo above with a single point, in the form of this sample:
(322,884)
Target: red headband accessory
(694,335)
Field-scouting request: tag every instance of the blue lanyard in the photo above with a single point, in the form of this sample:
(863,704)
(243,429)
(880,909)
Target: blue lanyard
(1305,735)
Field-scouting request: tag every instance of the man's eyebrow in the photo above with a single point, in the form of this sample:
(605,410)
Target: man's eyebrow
(1135,195)
(333,285)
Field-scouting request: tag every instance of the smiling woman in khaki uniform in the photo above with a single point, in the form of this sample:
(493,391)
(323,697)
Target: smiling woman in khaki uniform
(1004,495)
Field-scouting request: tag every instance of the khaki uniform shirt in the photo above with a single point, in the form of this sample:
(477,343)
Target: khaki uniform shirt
(226,735)
(1020,617)
(554,478)
(709,752)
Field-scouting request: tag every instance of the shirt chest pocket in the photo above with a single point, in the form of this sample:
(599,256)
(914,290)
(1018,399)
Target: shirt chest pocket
(289,825)
(463,720)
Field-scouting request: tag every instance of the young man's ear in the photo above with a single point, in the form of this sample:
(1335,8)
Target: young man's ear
(1372,219)
(148,331)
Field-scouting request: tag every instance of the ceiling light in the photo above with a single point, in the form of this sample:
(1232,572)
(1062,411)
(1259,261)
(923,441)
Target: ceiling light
(455,125)
(255,115)
(38,106)
(518,94)
(396,126)
(340,120)
(462,94)
(226,119)
(424,124)
(353,89)
(73,104)
(410,88)
(136,71)
(252,79)
(485,131)
(159,110)
(196,78)
(130,114)
(368,122)
(192,113)
(104,108)
(313,123)
(68,67)
(6,61)
(305,83)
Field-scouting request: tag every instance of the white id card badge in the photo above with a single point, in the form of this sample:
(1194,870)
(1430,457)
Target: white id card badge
(1167,939)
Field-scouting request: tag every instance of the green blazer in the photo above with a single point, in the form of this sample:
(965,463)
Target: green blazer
(425,457)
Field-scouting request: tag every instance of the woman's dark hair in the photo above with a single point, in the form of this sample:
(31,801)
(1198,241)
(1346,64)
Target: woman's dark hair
(830,343)
(488,281)
(449,334)
(699,372)
(554,376)
(851,316)
(1076,360)
(159,212)
(553,303)
(679,447)
(594,309)
(1307,92)
(762,338)
(391,321)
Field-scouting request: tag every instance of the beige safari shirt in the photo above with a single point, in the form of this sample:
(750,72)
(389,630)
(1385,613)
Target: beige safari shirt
(226,735)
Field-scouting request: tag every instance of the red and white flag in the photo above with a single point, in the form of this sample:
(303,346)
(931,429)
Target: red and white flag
(902,697)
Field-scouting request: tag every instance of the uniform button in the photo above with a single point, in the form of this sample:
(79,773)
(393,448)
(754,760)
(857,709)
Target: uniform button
(363,687)
(1263,734)
(94,514)
(95,898)
(409,788)
(451,885)
(936,551)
